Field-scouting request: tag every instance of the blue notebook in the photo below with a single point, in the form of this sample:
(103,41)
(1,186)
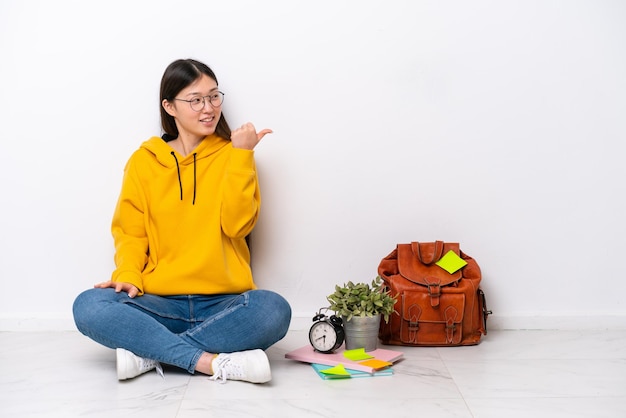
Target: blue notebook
(353,373)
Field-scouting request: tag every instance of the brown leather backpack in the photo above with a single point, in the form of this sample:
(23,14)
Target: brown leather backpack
(434,307)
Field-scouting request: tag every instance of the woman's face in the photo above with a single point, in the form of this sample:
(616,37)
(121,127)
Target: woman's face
(191,123)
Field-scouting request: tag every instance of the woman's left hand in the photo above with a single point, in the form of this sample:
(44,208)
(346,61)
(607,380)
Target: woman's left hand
(119,287)
(246,137)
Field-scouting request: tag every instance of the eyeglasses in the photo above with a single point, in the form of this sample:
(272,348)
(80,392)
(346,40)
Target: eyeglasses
(197,103)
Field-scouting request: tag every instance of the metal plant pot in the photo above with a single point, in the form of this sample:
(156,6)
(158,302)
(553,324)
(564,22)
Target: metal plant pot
(362,332)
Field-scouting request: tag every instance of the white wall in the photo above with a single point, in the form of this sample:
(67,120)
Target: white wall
(498,124)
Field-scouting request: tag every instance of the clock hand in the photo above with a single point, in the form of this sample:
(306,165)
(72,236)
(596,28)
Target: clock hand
(323,337)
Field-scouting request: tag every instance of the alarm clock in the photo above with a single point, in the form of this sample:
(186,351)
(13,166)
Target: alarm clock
(326,334)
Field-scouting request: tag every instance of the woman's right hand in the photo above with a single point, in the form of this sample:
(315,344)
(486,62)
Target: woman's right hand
(119,287)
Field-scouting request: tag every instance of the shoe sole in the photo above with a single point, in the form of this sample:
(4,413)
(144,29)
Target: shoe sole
(259,367)
(122,363)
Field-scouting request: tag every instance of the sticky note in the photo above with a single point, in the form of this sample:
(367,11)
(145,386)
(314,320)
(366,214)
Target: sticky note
(339,371)
(451,262)
(375,364)
(356,354)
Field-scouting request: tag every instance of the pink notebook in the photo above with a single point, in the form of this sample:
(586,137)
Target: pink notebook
(308,355)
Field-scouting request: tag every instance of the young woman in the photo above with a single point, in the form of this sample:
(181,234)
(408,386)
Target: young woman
(182,292)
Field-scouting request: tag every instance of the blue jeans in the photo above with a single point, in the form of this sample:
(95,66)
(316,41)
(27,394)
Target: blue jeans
(176,330)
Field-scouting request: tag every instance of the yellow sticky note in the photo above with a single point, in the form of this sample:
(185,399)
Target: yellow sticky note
(356,354)
(375,364)
(338,370)
(451,262)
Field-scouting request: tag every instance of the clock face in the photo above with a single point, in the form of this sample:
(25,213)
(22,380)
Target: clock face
(323,337)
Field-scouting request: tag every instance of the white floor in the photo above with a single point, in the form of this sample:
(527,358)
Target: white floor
(510,374)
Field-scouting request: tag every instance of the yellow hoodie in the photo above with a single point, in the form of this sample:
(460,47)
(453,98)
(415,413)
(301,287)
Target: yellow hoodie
(180,222)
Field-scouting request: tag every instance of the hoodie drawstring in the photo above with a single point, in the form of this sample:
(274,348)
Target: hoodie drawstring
(180,182)
(193,202)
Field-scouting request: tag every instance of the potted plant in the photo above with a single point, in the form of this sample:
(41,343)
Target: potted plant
(361,307)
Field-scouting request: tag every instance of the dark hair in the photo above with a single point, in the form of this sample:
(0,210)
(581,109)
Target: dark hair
(178,75)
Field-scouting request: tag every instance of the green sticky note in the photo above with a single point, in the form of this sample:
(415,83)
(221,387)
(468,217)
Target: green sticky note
(338,370)
(451,262)
(356,354)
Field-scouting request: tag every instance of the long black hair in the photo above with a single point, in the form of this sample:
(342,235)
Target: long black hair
(178,75)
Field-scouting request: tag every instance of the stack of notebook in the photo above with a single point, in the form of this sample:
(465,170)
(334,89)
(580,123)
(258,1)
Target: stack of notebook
(348,363)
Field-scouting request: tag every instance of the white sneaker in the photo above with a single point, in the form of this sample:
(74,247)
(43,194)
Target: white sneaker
(130,365)
(250,366)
